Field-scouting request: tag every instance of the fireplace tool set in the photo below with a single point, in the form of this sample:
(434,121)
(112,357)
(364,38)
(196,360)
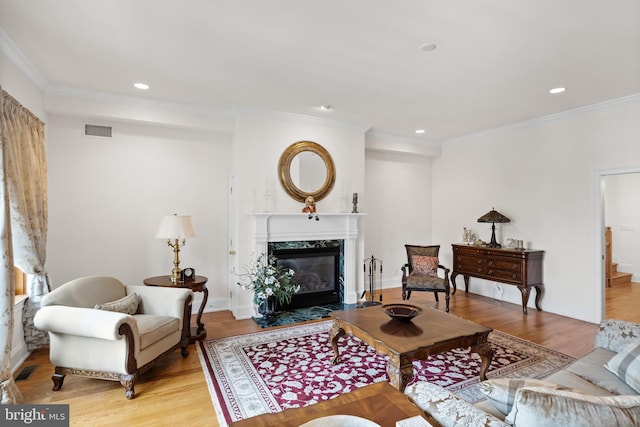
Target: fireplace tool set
(371,264)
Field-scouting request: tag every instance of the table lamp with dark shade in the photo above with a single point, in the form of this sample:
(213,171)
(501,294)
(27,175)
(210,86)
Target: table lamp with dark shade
(493,216)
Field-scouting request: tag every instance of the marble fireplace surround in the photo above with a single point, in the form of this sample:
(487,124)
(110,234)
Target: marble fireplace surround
(294,227)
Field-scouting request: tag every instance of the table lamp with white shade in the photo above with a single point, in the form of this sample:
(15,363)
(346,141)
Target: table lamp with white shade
(176,229)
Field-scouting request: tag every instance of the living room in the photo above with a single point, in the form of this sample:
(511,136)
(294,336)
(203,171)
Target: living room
(107,196)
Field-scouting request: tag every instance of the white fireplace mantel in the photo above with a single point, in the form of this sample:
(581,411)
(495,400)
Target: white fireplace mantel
(286,227)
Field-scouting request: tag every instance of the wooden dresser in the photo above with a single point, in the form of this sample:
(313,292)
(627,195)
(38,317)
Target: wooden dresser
(522,268)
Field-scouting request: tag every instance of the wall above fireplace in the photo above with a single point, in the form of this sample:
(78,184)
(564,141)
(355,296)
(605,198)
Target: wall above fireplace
(285,227)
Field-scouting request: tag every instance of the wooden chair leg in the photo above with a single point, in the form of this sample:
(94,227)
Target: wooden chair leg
(58,380)
(435,294)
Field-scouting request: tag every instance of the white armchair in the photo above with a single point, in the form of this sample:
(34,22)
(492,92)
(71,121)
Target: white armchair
(112,345)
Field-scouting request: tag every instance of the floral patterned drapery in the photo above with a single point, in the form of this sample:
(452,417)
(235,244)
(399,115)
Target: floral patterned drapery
(9,392)
(26,176)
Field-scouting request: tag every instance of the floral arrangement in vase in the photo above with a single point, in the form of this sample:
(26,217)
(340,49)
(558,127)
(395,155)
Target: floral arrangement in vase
(268,281)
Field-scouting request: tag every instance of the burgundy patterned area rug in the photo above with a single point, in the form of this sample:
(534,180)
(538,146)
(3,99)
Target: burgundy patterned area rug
(290,367)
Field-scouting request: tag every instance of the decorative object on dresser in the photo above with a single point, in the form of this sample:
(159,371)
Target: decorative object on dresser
(519,267)
(493,216)
(421,273)
(176,229)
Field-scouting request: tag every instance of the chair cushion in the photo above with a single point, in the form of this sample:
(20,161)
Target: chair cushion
(420,281)
(153,328)
(501,392)
(626,365)
(425,265)
(538,406)
(127,305)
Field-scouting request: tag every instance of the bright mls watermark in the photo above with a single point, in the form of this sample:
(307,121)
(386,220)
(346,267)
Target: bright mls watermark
(34,415)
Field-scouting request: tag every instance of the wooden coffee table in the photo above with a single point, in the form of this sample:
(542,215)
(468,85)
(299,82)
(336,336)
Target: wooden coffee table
(431,332)
(379,402)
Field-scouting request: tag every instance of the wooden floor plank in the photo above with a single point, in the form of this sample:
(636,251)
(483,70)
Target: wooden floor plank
(174,392)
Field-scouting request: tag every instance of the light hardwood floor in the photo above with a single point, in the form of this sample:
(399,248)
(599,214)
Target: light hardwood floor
(174,392)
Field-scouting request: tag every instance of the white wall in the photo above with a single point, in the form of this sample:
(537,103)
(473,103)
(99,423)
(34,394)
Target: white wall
(107,197)
(541,175)
(398,194)
(622,214)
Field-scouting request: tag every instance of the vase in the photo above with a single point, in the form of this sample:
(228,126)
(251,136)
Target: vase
(267,307)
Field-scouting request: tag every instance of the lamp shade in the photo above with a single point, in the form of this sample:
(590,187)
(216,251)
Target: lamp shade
(494,216)
(175,227)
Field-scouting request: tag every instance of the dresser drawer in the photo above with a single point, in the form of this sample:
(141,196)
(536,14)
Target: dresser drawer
(504,275)
(471,264)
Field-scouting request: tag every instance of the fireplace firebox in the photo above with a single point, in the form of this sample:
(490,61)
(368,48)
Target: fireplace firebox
(317,267)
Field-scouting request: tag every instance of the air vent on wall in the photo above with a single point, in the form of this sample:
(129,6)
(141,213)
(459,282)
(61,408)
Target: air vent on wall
(97,130)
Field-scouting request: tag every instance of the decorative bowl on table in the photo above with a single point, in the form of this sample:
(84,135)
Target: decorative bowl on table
(403,312)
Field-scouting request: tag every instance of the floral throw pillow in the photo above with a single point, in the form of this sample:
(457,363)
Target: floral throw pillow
(425,265)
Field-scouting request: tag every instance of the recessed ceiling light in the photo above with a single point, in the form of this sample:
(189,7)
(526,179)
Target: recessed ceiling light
(419,130)
(325,107)
(558,90)
(428,47)
(141,86)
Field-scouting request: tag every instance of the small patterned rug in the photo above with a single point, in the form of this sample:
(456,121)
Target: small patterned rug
(290,367)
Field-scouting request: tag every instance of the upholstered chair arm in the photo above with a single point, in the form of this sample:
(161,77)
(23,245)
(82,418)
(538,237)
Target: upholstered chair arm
(160,300)
(614,335)
(84,322)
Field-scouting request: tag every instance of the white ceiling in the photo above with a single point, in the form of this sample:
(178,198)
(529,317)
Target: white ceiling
(494,63)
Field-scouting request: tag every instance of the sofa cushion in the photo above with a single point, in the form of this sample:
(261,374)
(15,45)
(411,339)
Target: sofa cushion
(626,365)
(153,328)
(539,407)
(591,368)
(448,409)
(502,391)
(127,305)
(425,265)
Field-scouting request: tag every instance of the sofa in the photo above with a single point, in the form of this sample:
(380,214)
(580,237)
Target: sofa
(601,388)
(100,328)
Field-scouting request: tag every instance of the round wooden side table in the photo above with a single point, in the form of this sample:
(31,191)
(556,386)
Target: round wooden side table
(199,284)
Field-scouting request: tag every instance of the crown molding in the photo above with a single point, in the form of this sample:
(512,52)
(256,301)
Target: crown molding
(66,91)
(549,118)
(271,114)
(13,52)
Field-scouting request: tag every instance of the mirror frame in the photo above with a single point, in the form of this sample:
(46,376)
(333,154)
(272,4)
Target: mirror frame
(284,170)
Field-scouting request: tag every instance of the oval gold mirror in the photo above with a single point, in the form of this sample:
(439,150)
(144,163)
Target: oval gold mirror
(306,169)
